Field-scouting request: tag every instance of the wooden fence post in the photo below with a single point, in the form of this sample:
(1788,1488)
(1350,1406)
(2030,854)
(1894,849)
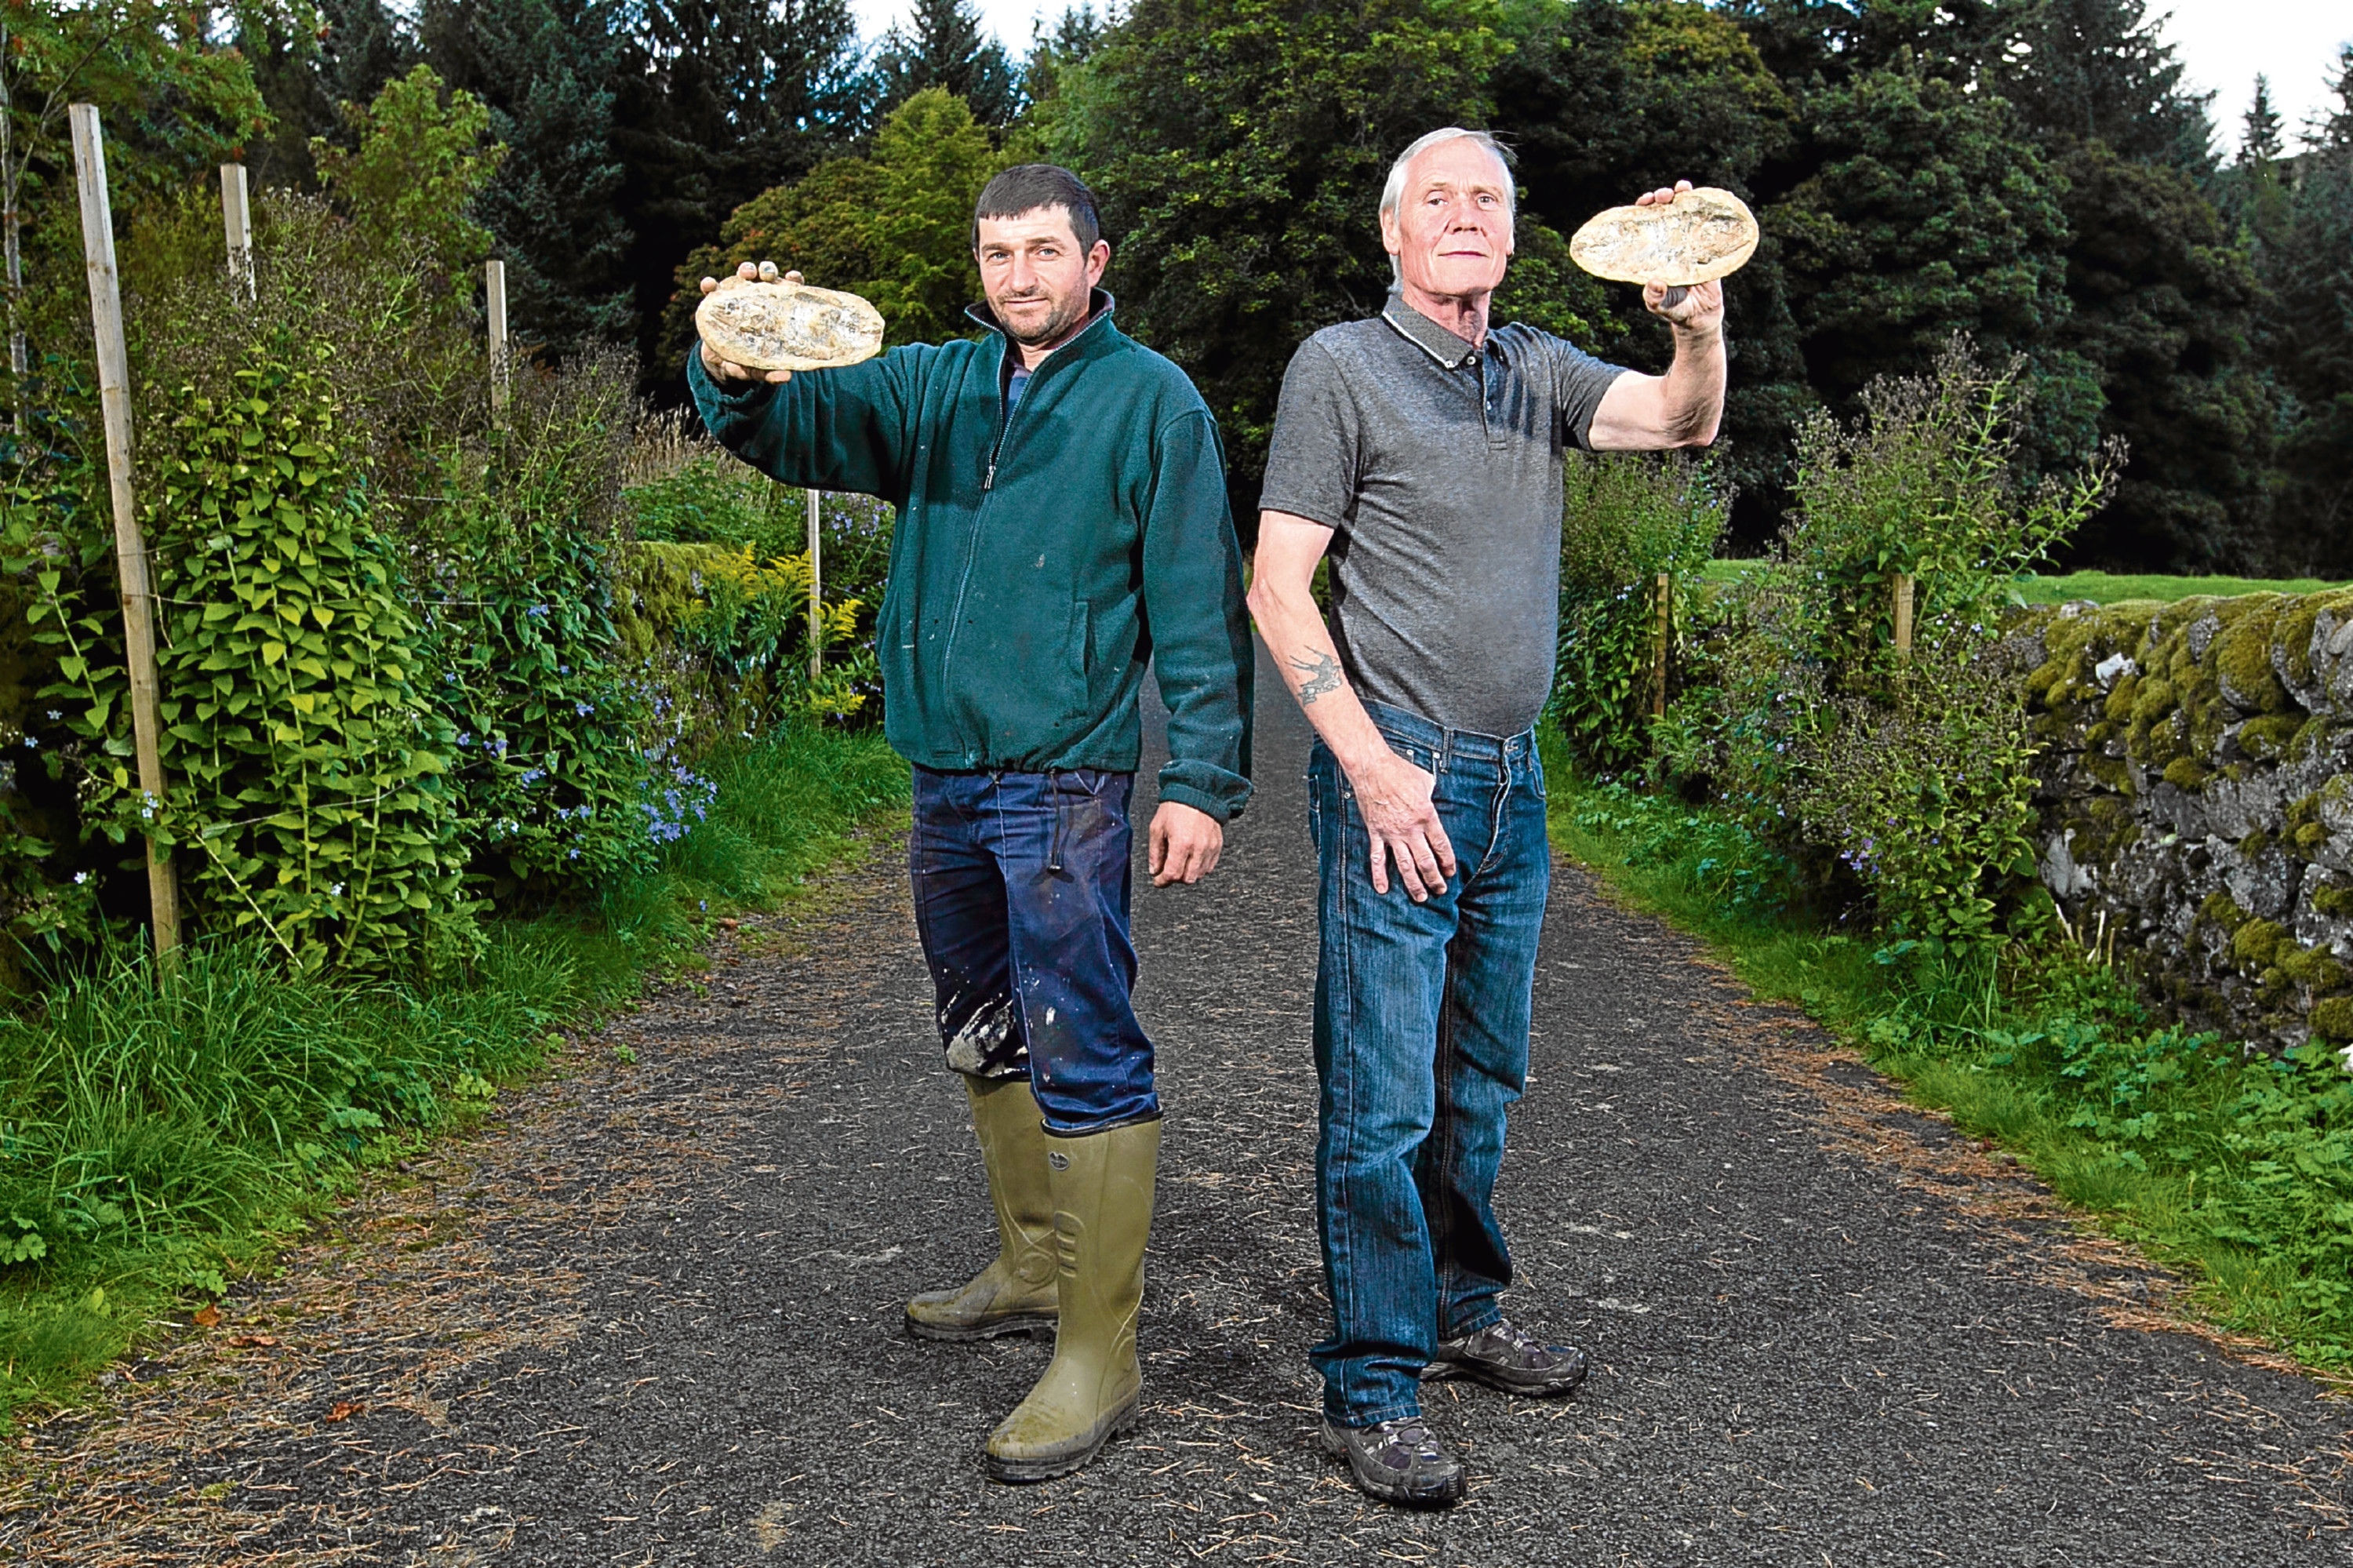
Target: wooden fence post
(494,288)
(817,590)
(1662,642)
(236,226)
(130,549)
(1904,586)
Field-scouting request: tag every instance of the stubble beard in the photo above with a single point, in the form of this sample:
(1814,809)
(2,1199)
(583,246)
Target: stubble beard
(1066,314)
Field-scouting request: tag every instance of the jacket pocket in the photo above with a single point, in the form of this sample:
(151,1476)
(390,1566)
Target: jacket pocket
(1079,699)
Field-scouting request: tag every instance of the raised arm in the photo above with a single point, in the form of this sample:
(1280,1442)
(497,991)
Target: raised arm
(1401,819)
(847,430)
(1681,408)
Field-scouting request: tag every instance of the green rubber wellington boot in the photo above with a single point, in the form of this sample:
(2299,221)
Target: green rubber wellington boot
(1014,1295)
(1102,1214)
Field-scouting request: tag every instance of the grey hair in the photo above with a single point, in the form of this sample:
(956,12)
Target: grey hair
(1393,192)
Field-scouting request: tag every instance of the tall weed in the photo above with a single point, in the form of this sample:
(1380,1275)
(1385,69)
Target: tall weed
(1628,519)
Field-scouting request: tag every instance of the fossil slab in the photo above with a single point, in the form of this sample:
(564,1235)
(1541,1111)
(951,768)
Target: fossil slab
(787,326)
(1703,234)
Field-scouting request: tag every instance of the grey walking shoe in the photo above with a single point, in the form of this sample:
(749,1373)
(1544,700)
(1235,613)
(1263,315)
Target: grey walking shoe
(1397,1461)
(1503,1356)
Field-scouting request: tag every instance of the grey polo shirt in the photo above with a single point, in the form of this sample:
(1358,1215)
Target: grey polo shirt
(1438,467)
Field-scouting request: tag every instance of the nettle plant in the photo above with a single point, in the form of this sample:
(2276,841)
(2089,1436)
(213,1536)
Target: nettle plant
(1904,772)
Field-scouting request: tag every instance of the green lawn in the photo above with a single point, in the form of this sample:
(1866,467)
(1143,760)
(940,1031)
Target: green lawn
(2102,588)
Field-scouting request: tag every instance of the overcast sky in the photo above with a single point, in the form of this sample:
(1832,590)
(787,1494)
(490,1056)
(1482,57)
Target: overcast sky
(2222,42)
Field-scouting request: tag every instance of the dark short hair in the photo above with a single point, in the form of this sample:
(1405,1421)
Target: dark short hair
(1026,187)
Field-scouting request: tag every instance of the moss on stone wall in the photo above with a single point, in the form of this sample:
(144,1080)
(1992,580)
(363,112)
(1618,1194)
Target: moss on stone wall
(2199,769)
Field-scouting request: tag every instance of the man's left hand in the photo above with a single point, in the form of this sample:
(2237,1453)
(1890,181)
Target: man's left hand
(1185,843)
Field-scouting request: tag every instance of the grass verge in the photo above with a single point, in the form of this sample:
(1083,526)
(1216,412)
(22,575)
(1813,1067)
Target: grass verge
(159,1139)
(2236,1173)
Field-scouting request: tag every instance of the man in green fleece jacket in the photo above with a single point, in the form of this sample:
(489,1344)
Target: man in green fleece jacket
(1062,520)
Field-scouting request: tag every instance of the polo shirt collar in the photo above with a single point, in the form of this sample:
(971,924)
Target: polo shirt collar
(1426,334)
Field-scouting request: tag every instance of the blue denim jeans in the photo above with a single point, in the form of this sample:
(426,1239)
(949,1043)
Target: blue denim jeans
(1421,1040)
(1021,898)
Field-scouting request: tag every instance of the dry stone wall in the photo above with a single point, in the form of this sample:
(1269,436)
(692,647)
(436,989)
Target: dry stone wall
(2196,788)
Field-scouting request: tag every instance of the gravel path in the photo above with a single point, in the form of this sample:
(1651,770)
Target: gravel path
(650,1313)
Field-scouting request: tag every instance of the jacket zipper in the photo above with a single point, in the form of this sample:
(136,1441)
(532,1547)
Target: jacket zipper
(1005,425)
(988,485)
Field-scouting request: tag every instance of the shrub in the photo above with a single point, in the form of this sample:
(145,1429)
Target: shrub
(1902,775)
(1625,520)
(307,771)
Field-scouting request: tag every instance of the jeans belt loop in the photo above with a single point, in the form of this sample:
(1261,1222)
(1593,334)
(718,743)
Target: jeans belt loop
(1445,749)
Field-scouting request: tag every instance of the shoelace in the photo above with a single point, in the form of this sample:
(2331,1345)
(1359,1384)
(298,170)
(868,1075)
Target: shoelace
(1512,1334)
(1409,1432)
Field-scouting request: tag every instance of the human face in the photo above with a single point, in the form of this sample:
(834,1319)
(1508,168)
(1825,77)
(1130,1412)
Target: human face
(1452,229)
(1037,278)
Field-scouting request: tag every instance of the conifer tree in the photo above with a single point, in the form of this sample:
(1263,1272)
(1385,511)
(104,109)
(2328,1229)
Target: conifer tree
(2309,325)
(717,100)
(545,69)
(2100,70)
(2259,141)
(943,47)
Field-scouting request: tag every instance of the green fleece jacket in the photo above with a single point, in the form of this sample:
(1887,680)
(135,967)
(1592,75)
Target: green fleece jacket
(1039,559)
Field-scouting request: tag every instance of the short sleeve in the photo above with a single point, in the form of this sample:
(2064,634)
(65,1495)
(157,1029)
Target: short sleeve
(1579,381)
(1316,456)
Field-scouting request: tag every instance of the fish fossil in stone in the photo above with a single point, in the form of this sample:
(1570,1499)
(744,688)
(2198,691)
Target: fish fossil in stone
(787,326)
(1702,235)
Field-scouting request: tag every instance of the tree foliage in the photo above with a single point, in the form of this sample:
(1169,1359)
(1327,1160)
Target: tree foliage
(896,227)
(418,166)
(2164,312)
(2308,330)
(1238,147)
(546,70)
(943,47)
(1608,98)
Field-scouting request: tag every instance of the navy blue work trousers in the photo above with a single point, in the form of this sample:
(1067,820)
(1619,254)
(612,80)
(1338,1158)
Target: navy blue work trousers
(1021,888)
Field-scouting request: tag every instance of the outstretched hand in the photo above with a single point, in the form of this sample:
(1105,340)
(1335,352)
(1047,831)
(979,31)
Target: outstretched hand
(727,369)
(1696,307)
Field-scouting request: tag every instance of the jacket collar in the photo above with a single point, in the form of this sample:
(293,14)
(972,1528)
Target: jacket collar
(1426,334)
(1090,340)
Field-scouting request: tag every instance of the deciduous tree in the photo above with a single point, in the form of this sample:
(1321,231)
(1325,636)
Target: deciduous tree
(895,227)
(1239,148)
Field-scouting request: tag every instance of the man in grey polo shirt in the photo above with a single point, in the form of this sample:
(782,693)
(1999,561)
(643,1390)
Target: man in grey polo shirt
(1421,451)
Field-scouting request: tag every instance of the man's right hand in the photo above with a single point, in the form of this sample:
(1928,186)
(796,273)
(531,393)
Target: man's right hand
(1401,822)
(727,369)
